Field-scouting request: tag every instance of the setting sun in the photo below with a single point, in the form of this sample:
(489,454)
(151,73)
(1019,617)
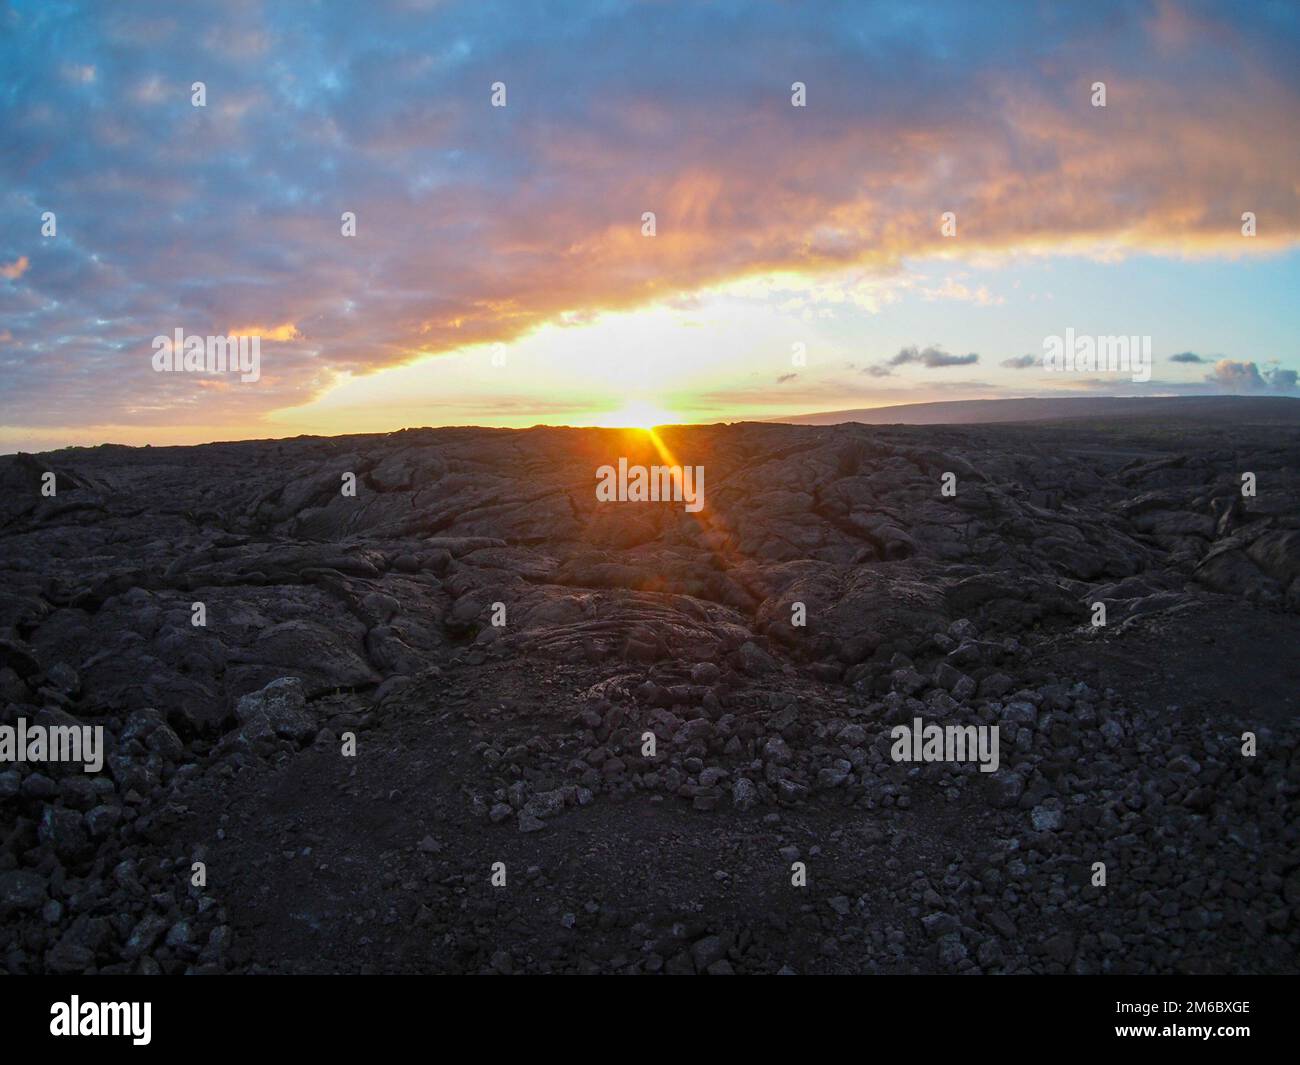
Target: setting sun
(637,415)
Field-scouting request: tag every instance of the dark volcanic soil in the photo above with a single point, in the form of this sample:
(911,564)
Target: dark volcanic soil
(521,744)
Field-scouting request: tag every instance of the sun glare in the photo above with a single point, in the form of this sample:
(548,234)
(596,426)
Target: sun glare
(637,415)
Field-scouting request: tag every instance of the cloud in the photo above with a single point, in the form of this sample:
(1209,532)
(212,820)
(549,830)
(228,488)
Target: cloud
(931,357)
(877,371)
(15,269)
(956,290)
(1187,356)
(80,74)
(1021,362)
(786,377)
(480,224)
(286,331)
(1248,377)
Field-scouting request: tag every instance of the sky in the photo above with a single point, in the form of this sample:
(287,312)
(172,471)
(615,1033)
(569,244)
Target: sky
(948,196)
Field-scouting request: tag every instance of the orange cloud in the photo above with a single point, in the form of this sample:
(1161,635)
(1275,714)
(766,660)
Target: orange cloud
(287,331)
(15,269)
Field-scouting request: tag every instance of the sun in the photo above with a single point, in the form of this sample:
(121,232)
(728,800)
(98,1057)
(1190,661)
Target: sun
(636,415)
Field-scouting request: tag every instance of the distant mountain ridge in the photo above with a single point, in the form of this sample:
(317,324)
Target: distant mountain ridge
(1039,409)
